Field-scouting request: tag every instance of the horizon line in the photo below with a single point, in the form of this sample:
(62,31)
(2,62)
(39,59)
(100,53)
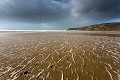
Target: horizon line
(32,30)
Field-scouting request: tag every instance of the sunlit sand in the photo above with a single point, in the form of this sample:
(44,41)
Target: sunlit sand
(59,55)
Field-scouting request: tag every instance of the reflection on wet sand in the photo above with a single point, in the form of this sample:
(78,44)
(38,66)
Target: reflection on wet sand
(59,56)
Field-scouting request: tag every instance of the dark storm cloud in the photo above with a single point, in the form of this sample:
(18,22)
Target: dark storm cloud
(50,10)
(35,10)
(96,9)
(59,14)
(100,5)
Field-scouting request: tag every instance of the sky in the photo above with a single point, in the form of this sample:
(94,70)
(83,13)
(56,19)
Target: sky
(56,14)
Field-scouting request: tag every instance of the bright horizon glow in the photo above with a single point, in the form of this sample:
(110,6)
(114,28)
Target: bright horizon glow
(35,30)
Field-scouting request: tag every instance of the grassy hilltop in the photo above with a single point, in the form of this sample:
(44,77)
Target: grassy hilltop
(100,27)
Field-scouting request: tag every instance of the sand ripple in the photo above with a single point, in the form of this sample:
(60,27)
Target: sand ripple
(59,56)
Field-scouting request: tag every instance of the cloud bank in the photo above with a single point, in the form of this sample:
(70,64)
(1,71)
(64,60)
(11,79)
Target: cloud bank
(58,14)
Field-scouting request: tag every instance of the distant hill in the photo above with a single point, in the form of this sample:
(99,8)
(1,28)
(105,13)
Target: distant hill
(100,27)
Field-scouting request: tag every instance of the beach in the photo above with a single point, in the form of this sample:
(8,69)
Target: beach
(59,55)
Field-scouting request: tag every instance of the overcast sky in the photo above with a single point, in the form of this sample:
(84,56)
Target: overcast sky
(56,14)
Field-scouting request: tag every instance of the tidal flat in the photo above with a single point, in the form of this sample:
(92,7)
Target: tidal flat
(59,55)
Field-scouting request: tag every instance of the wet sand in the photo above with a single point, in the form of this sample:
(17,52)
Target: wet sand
(67,55)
